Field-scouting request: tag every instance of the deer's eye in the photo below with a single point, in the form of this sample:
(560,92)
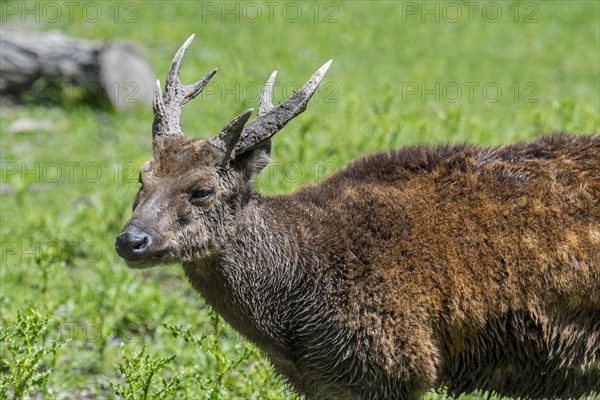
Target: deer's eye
(201,195)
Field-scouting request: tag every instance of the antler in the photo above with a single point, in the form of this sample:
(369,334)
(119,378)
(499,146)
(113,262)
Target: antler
(237,136)
(167,106)
(270,119)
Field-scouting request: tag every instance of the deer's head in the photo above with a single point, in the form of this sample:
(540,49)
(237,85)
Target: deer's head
(193,190)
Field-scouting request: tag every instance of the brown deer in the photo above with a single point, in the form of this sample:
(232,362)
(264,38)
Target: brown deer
(457,266)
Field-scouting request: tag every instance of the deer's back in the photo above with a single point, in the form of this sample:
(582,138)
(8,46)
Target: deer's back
(449,264)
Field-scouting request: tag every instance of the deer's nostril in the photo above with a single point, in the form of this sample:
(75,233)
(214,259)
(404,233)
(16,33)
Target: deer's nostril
(133,243)
(143,241)
(142,244)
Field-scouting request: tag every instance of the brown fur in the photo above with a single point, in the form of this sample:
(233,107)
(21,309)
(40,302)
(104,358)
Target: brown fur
(462,267)
(466,267)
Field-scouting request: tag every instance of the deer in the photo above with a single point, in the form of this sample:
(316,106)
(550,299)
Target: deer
(453,267)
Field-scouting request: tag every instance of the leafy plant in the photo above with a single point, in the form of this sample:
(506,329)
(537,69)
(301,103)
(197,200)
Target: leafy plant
(139,371)
(31,356)
(211,344)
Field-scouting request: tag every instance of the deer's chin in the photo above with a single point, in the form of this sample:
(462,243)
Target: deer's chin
(144,264)
(155,259)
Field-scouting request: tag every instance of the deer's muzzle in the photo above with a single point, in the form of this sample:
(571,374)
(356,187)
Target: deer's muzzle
(133,244)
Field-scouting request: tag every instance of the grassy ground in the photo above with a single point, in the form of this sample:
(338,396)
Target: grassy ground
(402,73)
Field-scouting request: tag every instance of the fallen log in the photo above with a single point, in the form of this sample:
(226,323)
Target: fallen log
(44,67)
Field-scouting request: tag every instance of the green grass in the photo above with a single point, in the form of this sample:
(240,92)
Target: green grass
(119,328)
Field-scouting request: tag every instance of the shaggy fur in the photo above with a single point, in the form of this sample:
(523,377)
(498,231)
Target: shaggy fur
(458,267)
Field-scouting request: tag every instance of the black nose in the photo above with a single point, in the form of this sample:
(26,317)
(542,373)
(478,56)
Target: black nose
(132,243)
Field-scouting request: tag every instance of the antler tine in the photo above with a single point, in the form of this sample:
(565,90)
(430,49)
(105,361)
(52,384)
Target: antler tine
(266,97)
(157,103)
(173,85)
(167,106)
(191,91)
(271,120)
(230,134)
(175,67)
(160,123)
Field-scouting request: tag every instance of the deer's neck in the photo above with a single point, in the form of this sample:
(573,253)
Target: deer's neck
(258,280)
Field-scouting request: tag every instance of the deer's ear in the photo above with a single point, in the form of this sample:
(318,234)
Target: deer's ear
(252,162)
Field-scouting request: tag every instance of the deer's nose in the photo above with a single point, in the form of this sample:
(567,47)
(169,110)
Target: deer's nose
(133,243)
